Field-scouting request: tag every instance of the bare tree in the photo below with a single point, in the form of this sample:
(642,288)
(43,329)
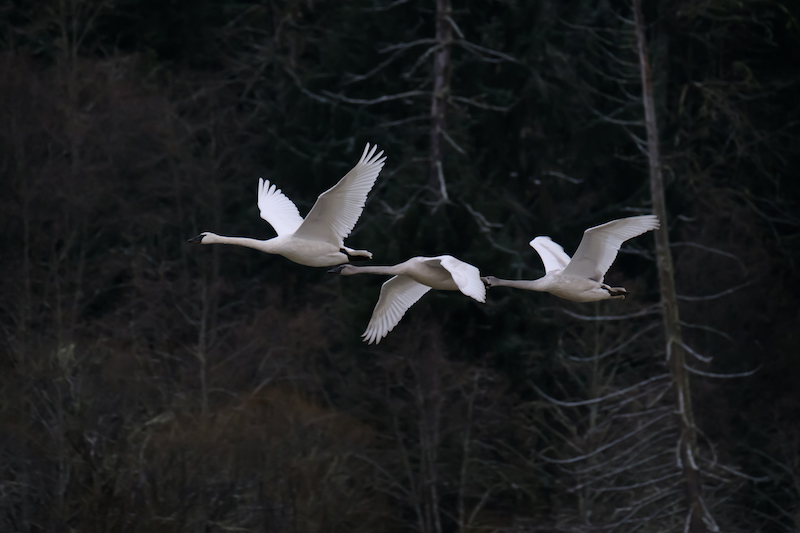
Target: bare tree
(699,518)
(410,85)
(440,95)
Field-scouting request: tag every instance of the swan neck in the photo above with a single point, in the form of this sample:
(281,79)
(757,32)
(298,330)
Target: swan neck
(264,246)
(526,284)
(351,270)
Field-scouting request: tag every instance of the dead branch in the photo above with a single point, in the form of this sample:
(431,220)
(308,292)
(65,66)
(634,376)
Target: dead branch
(652,310)
(712,375)
(368,101)
(601,399)
(605,446)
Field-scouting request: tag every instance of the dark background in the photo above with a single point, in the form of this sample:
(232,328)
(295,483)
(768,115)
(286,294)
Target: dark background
(150,385)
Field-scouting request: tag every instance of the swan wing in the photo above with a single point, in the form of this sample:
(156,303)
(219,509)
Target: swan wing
(336,211)
(466,276)
(553,255)
(277,209)
(600,245)
(397,295)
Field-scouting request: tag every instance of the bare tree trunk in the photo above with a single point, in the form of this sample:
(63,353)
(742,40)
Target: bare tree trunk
(441,94)
(430,409)
(676,355)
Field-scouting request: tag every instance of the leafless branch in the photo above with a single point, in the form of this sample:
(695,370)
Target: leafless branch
(717,295)
(453,143)
(490,107)
(702,358)
(562,176)
(612,120)
(652,310)
(711,250)
(383,64)
(455,27)
(483,50)
(387,7)
(406,45)
(707,328)
(404,121)
(421,59)
(712,375)
(737,473)
(371,101)
(628,340)
(639,485)
(606,446)
(601,399)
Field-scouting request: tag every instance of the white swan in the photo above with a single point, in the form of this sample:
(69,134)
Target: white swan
(412,279)
(316,241)
(580,279)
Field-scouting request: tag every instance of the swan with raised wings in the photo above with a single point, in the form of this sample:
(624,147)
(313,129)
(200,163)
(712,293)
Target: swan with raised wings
(412,279)
(580,278)
(317,240)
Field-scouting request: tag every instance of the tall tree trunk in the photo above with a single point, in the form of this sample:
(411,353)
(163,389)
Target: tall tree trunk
(676,354)
(441,94)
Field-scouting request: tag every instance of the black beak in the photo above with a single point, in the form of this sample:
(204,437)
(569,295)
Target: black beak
(196,240)
(336,270)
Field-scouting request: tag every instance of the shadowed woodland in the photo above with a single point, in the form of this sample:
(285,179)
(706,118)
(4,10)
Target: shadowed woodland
(147,384)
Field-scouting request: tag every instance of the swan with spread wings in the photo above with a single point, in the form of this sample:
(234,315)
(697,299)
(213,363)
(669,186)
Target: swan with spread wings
(411,280)
(317,240)
(580,278)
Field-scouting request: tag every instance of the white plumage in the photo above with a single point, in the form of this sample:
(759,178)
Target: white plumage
(581,278)
(319,239)
(412,279)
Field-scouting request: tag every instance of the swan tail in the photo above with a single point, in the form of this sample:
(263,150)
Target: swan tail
(356,255)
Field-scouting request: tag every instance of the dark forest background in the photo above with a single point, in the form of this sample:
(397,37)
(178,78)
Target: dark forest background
(147,384)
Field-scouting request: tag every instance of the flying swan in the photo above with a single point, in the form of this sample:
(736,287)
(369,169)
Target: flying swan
(316,241)
(580,279)
(412,279)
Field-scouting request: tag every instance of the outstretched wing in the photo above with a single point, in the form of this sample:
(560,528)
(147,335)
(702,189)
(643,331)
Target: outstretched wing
(336,211)
(466,276)
(553,255)
(600,245)
(277,209)
(397,295)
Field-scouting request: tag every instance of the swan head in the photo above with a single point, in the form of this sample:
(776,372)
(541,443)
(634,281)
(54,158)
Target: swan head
(204,238)
(489,281)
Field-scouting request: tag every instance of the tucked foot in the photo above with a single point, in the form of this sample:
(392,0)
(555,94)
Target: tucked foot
(615,292)
(356,255)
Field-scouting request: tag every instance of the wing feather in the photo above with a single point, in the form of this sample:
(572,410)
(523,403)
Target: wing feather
(337,210)
(466,277)
(398,294)
(277,209)
(553,255)
(600,245)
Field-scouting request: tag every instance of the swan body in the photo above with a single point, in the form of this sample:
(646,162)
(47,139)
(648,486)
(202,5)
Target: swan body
(580,278)
(411,280)
(317,240)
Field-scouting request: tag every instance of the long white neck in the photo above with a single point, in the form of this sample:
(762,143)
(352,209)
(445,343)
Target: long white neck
(527,284)
(264,246)
(351,270)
